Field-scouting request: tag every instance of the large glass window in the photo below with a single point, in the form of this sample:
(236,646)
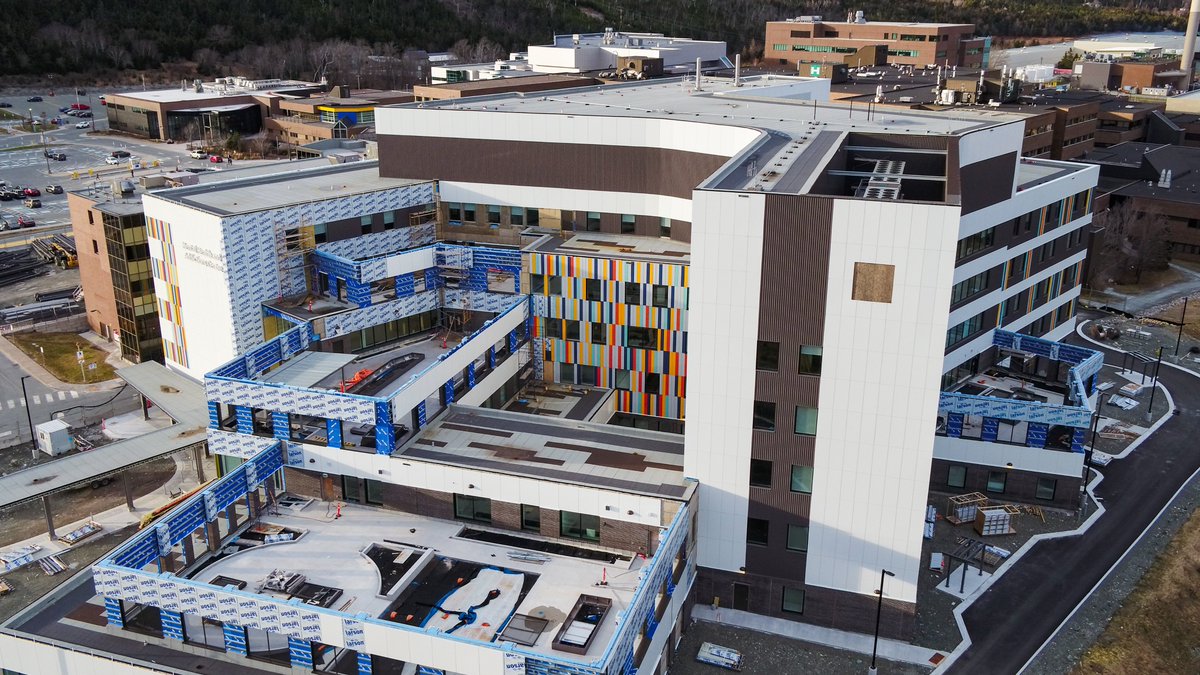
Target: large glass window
(768,356)
(531,517)
(641,338)
(760,473)
(810,360)
(516,215)
(968,288)
(651,384)
(633,293)
(1046,488)
(996,481)
(621,380)
(572,332)
(806,421)
(793,600)
(661,296)
(802,479)
(554,285)
(628,223)
(468,212)
(757,531)
(599,334)
(592,290)
(477,509)
(593,222)
(956,477)
(797,538)
(975,243)
(493,214)
(764,415)
(579,526)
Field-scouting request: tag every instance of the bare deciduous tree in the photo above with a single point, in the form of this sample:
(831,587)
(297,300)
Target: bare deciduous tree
(1127,244)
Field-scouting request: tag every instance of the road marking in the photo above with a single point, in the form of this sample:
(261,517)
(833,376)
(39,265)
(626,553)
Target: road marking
(11,404)
(5,433)
(74,394)
(37,399)
(62,395)
(22,402)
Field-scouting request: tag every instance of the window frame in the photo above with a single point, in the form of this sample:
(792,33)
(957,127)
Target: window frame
(765,469)
(792,479)
(805,530)
(764,529)
(760,412)
(796,422)
(772,363)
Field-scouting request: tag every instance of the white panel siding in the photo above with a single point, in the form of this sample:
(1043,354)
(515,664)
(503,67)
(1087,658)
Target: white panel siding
(879,395)
(575,200)
(727,241)
(1008,456)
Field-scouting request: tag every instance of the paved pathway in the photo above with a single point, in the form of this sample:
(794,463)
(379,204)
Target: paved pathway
(1024,607)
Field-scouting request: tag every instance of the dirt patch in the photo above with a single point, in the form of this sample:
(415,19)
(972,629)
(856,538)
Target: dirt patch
(30,583)
(1158,628)
(1152,280)
(28,519)
(59,353)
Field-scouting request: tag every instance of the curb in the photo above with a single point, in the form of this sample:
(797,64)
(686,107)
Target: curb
(39,373)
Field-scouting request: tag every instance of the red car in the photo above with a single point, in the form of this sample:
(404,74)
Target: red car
(26,221)
(215,159)
(80,106)
(31,192)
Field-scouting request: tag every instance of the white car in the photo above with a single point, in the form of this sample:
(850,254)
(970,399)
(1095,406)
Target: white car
(199,154)
(83,125)
(113,160)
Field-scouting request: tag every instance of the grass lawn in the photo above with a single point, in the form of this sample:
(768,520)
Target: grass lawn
(1157,630)
(57,354)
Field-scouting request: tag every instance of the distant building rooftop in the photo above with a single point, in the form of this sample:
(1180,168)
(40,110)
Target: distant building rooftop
(224,86)
(622,246)
(901,24)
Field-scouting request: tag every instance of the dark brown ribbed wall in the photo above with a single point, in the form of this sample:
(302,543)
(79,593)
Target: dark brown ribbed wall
(795,268)
(574,166)
(988,182)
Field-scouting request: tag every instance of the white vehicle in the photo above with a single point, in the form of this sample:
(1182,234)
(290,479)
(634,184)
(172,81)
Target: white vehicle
(113,160)
(83,125)
(199,154)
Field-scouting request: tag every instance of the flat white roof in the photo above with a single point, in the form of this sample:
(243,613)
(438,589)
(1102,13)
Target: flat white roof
(209,91)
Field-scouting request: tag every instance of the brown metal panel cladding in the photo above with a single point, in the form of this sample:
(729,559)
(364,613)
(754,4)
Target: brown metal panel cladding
(988,182)
(575,166)
(681,230)
(953,179)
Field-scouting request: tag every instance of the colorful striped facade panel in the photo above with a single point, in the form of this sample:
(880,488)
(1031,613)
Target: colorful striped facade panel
(608,268)
(608,357)
(637,403)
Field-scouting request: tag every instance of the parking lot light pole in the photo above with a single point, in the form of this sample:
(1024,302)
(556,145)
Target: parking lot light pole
(883,574)
(28,414)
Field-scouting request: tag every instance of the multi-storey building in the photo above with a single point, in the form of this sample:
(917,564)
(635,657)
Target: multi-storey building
(809,39)
(839,311)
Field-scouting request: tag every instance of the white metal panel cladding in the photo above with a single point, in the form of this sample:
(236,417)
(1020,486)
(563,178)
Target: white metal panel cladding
(358,319)
(250,256)
(234,444)
(282,398)
(389,241)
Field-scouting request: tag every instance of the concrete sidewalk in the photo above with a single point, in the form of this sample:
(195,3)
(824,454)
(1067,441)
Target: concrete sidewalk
(891,650)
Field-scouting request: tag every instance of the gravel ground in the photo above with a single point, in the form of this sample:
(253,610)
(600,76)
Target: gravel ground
(768,654)
(1085,627)
(1161,335)
(936,628)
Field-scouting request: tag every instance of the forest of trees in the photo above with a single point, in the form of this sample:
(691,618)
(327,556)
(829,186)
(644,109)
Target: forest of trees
(113,40)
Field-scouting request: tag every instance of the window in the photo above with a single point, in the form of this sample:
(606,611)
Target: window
(1053,215)
(579,526)
(660,296)
(975,243)
(532,217)
(810,360)
(802,478)
(531,517)
(996,481)
(477,509)
(493,214)
(552,328)
(1079,204)
(760,473)
(806,421)
(1011,306)
(873,282)
(764,415)
(651,384)
(756,531)
(593,222)
(1063,313)
(572,332)
(537,283)
(389,220)
(95,246)
(628,224)
(956,477)
(621,380)
(1046,488)
(664,227)
(320,235)
(365,222)
(516,215)
(591,290)
(555,286)
(641,338)
(797,539)
(633,293)
(964,330)
(599,334)
(968,288)
(793,600)
(768,356)
(468,212)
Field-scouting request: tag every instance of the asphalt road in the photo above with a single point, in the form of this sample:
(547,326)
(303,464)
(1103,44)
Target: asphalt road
(1013,618)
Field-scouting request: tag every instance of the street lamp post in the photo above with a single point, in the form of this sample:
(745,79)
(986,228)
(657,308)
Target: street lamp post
(28,414)
(883,574)
(1154,387)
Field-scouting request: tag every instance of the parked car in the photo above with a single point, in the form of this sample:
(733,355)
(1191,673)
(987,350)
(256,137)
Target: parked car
(83,125)
(64,109)
(80,106)
(56,156)
(85,114)
(34,99)
(6,225)
(112,161)
(7,196)
(31,203)
(215,159)
(54,189)
(198,154)
(25,221)
(5,104)
(120,153)
(31,192)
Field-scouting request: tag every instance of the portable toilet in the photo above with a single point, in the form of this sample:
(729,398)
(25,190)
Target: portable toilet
(54,437)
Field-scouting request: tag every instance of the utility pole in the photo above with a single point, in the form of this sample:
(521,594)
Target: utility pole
(883,574)
(1182,320)
(29,415)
